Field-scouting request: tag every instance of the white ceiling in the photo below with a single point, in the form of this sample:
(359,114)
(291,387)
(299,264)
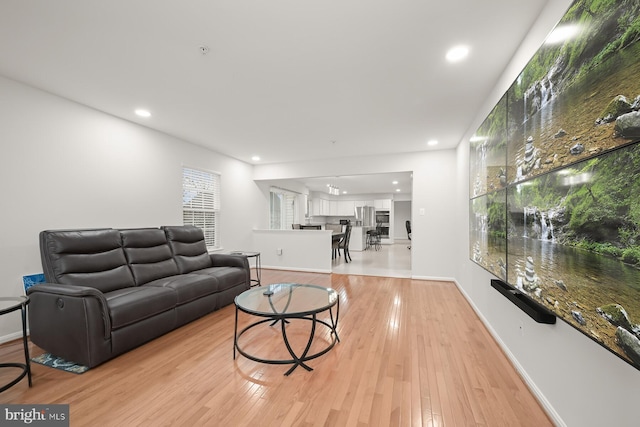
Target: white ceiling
(382,183)
(287,80)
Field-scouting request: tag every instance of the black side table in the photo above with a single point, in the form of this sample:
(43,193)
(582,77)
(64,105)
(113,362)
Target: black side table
(7,305)
(255,255)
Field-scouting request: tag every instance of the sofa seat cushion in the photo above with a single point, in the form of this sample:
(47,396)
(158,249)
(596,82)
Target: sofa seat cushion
(131,305)
(188,287)
(228,277)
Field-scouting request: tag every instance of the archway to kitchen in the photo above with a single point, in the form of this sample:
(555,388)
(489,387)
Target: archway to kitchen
(334,200)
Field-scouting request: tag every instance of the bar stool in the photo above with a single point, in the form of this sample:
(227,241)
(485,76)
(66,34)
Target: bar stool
(373,240)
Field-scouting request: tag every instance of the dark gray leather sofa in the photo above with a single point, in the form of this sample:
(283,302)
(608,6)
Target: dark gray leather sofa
(109,291)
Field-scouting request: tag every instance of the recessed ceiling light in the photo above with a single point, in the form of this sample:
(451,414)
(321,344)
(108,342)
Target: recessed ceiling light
(562,33)
(143,113)
(344,192)
(398,190)
(432,142)
(457,53)
(255,158)
(395,182)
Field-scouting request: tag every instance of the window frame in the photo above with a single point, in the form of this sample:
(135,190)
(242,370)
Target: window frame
(201,204)
(284,217)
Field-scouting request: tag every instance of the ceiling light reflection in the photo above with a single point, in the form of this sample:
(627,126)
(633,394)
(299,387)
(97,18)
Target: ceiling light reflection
(578,179)
(562,33)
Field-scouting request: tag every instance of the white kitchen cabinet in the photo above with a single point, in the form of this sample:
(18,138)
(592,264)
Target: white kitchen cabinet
(320,207)
(346,208)
(315,207)
(333,208)
(360,203)
(326,207)
(382,204)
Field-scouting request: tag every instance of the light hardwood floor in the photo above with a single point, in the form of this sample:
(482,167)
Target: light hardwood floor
(412,353)
(389,261)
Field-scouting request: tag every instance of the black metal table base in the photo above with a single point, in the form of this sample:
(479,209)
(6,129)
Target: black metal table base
(26,366)
(284,321)
(25,372)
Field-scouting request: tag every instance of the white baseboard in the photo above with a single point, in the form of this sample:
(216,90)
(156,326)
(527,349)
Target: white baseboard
(12,336)
(546,405)
(305,270)
(434,278)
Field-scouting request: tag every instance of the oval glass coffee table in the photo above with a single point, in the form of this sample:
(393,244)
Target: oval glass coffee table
(282,303)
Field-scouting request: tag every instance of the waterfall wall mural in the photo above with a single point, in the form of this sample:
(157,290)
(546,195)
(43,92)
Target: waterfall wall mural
(555,177)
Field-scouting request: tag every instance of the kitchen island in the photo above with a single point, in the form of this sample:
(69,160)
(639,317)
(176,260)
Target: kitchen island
(358,240)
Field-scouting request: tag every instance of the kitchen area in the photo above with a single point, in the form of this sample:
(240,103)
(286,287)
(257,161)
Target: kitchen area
(387,216)
(299,208)
(364,215)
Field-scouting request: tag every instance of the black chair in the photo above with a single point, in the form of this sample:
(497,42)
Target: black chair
(408,225)
(310,227)
(344,243)
(335,248)
(373,239)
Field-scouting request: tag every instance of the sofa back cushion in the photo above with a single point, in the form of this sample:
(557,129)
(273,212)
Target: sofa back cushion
(93,258)
(188,247)
(148,254)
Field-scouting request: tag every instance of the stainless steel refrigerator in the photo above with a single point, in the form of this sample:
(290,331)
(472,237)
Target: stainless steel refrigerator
(366,216)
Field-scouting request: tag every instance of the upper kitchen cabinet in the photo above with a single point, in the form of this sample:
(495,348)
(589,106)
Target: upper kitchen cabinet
(346,207)
(322,207)
(382,204)
(360,203)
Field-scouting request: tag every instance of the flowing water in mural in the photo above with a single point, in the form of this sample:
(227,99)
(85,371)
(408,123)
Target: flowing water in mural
(574,113)
(576,281)
(572,215)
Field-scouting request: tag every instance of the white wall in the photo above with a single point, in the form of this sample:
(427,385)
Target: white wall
(434,174)
(579,382)
(64,165)
(299,250)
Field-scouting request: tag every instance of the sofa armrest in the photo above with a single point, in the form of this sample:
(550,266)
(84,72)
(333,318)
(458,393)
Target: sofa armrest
(229,260)
(53,291)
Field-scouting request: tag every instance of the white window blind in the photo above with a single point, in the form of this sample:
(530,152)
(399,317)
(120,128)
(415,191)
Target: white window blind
(201,203)
(283,208)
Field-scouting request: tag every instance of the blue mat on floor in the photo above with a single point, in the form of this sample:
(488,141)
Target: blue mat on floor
(56,362)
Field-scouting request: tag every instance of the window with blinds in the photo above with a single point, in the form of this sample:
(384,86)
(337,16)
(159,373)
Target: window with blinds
(283,208)
(201,203)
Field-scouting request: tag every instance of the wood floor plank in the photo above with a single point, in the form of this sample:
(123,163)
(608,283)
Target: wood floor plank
(411,353)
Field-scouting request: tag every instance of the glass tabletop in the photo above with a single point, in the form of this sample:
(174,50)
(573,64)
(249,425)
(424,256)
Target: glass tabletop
(8,304)
(286,299)
(245,253)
